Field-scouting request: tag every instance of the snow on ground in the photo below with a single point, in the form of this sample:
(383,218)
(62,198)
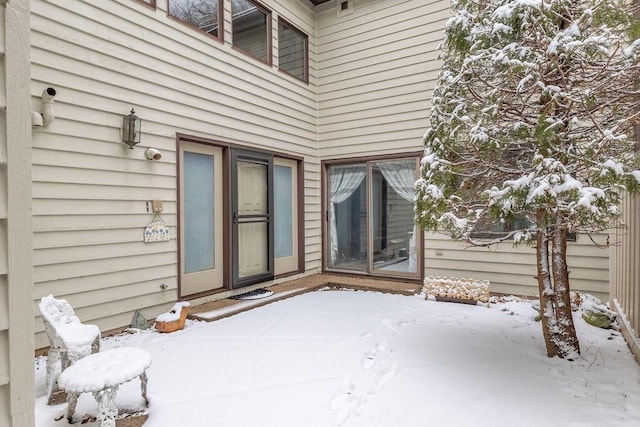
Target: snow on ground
(353,358)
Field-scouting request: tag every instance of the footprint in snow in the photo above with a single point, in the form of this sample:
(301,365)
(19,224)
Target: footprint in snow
(368,361)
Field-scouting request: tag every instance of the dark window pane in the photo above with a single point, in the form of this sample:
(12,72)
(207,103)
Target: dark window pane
(488,228)
(292,51)
(202,14)
(250,29)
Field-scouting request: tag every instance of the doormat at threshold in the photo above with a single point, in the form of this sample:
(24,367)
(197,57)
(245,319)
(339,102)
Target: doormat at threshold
(255,294)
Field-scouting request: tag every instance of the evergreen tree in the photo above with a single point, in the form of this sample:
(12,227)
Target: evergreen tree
(532,123)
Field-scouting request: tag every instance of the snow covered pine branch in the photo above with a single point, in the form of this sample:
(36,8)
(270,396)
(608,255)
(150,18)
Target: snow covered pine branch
(532,125)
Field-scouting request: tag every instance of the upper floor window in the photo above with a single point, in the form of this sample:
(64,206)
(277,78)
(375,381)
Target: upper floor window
(292,51)
(251,27)
(205,15)
(151,3)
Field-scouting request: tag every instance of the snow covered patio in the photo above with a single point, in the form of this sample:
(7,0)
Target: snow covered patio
(355,358)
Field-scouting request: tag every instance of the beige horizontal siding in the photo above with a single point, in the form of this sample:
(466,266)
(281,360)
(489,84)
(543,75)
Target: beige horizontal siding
(312,224)
(90,191)
(513,270)
(139,277)
(377,69)
(108,263)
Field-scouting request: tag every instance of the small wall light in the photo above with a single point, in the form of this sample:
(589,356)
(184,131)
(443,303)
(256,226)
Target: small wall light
(131,129)
(152,154)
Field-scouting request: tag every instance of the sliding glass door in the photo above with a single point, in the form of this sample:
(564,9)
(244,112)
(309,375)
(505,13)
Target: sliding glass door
(370,225)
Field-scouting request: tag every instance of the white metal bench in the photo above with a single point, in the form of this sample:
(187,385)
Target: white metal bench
(101,374)
(69,339)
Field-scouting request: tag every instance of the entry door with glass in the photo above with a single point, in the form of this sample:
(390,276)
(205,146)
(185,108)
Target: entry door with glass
(201,219)
(252,218)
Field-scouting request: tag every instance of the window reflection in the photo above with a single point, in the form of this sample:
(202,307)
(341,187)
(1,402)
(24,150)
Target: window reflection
(251,30)
(292,51)
(201,14)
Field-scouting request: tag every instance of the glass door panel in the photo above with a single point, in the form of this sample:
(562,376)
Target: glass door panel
(252,219)
(253,251)
(201,265)
(285,193)
(199,217)
(347,217)
(394,232)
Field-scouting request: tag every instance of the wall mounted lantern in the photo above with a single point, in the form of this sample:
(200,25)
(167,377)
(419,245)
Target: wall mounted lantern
(131,129)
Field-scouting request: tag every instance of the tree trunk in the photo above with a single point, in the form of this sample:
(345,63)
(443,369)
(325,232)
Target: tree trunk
(544,279)
(562,294)
(553,283)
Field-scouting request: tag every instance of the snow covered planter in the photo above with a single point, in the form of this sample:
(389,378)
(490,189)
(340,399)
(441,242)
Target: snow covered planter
(174,319)
(455,289)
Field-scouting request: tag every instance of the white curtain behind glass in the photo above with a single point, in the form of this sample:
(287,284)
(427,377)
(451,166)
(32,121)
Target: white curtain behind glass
(400,175)
(343,180)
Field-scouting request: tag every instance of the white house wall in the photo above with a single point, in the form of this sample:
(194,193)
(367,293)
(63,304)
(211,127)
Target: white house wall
(90,191)
(377,70)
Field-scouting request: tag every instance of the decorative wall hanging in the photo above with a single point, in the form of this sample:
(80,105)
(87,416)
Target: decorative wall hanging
(156,231)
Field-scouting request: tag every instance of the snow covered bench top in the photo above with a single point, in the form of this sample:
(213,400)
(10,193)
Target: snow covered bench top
(107,368)
(102,373)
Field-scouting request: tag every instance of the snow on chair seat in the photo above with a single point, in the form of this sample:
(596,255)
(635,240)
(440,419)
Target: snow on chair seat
(101,374)
(69,339)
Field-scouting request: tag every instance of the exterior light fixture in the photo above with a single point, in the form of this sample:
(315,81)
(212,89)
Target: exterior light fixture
(131,129)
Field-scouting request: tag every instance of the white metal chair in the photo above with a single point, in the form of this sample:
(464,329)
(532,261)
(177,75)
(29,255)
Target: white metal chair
(69,339)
